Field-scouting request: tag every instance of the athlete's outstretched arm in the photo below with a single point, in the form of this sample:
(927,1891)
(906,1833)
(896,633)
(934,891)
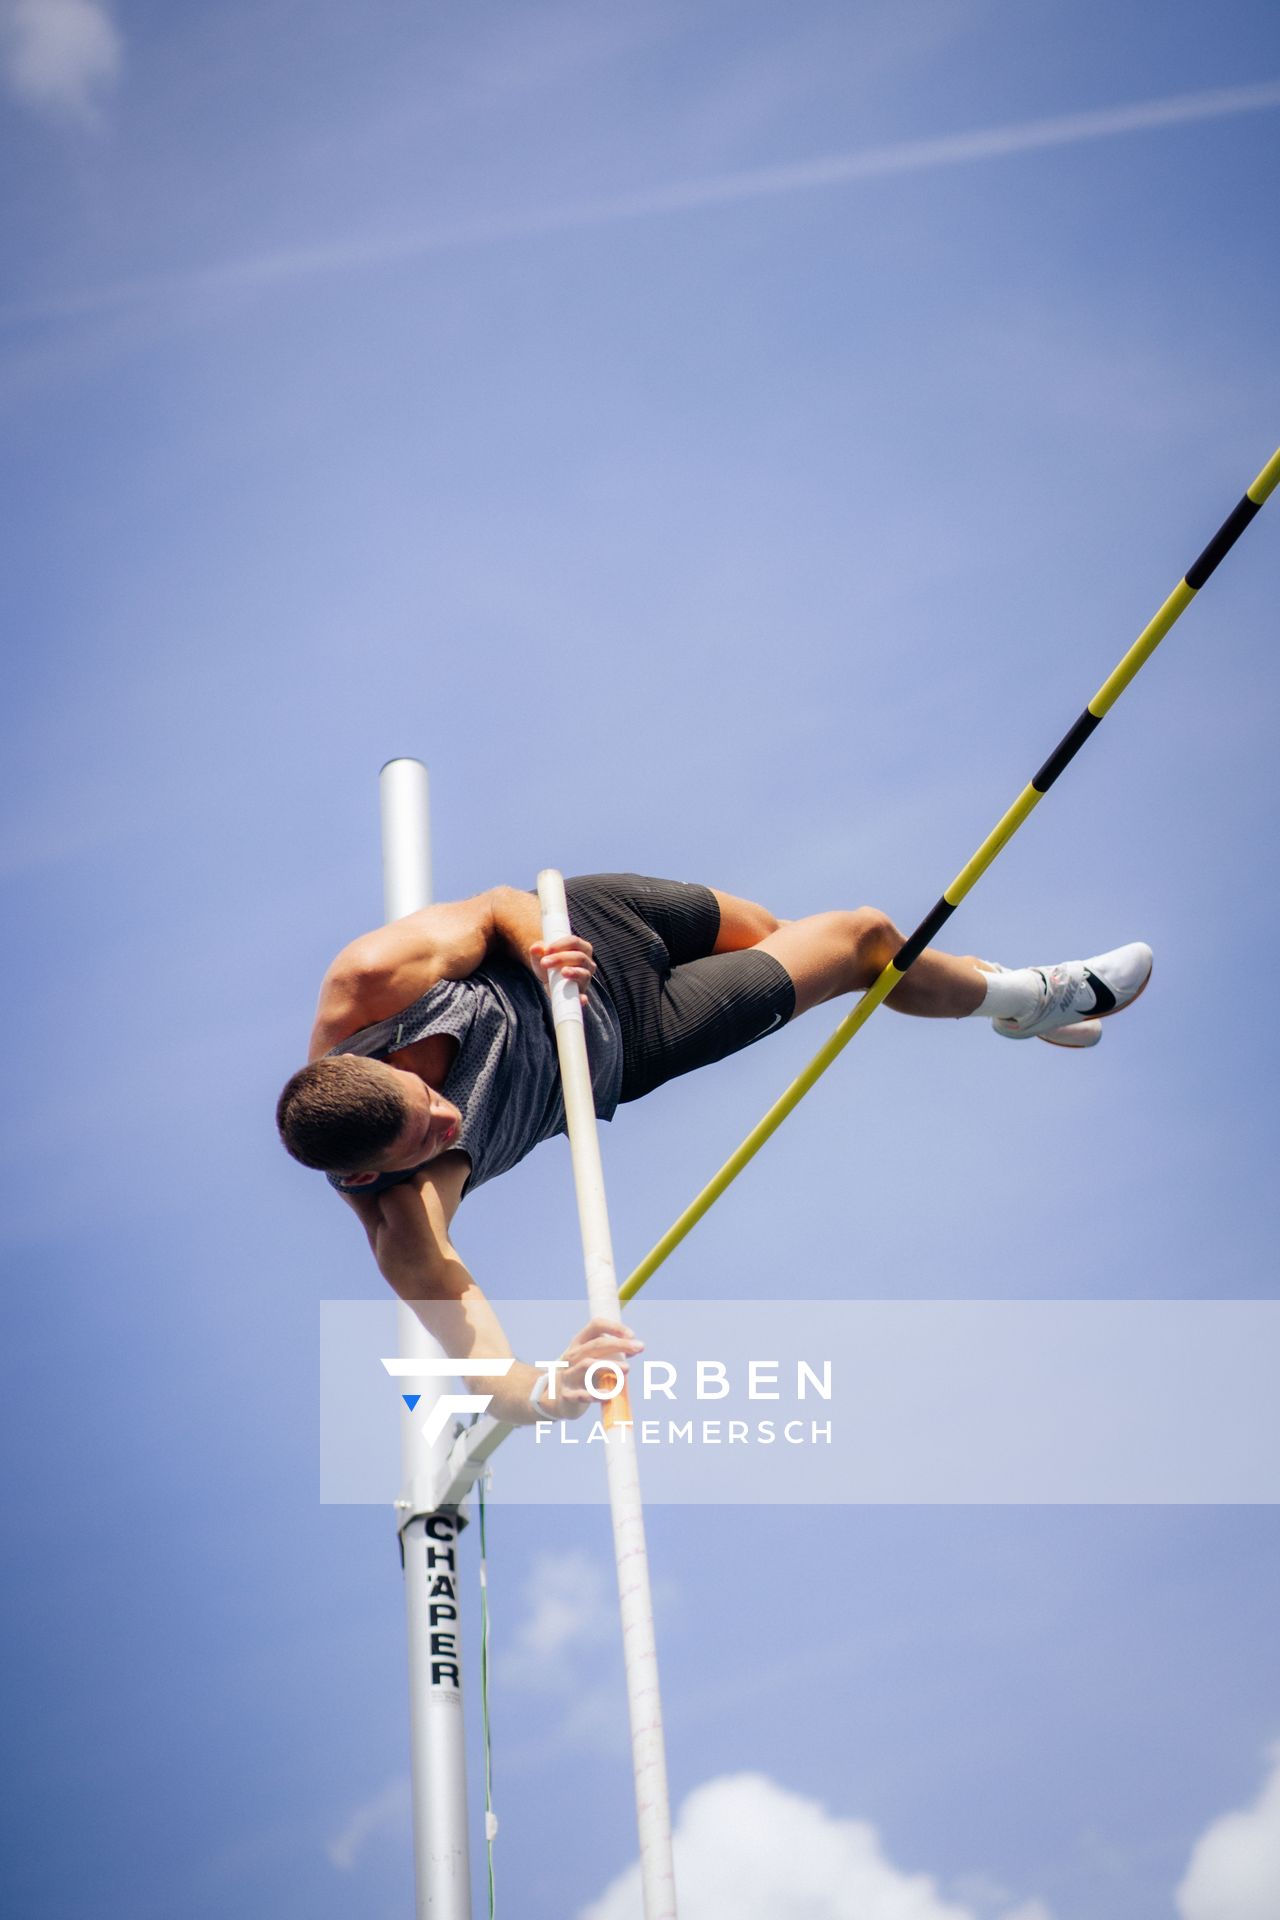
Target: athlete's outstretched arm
(387,970)
(408,1229)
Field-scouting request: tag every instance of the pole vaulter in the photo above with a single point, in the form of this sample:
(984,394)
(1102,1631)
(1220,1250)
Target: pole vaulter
(444,994)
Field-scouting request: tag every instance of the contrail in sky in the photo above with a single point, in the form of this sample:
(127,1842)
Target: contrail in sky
(354,253)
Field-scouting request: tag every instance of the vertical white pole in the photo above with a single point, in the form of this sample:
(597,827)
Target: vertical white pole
(442,1865)
(657,1876)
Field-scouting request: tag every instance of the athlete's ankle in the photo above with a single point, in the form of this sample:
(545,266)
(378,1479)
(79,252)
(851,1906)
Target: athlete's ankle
(1012,993)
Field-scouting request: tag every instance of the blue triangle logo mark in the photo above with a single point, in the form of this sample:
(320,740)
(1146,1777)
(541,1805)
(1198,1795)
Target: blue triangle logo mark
(411,1400)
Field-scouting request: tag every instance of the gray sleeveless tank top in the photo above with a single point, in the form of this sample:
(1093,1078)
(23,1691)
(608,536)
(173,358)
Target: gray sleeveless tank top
(505,1077)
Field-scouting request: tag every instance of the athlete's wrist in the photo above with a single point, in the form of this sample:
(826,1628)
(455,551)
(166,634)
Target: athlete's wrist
(539,1400)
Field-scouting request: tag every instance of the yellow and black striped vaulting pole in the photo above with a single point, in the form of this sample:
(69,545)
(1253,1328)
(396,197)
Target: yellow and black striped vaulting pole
(969,875)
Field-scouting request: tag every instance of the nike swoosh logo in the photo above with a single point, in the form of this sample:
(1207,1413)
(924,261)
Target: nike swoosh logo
(1103,998)
(775,1022)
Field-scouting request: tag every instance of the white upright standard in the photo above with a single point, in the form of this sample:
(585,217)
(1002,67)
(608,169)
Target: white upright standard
(657,1876)
(428,1523)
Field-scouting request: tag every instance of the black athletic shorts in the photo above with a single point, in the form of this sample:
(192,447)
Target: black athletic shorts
(680,1005)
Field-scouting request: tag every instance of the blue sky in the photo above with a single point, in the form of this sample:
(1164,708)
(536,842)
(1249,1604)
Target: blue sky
(509,386)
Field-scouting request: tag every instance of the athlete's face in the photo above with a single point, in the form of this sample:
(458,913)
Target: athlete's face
(431,1129)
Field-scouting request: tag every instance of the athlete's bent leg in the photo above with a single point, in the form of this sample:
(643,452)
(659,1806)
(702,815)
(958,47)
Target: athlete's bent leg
(828,954)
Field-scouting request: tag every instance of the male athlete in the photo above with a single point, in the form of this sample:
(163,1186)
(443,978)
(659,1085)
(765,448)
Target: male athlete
(433,1059)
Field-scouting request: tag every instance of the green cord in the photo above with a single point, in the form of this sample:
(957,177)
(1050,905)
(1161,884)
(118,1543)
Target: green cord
(490,1820)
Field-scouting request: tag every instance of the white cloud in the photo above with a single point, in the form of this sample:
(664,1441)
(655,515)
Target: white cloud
(570,1621)
(58,54)
(1234,1870)
(745,1846)
(386,1813)
(570,1604)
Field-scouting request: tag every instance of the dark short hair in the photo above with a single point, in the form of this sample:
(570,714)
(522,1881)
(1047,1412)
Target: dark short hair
(340,1113)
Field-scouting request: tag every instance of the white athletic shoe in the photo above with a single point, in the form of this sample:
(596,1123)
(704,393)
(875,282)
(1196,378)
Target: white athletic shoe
(1081,993)
(1081,1033)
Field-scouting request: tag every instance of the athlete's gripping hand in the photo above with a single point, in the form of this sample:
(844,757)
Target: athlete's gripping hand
(571,957)
(570,1395)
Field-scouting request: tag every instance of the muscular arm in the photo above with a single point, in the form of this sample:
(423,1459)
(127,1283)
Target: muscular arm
(387,970)
(408,1229)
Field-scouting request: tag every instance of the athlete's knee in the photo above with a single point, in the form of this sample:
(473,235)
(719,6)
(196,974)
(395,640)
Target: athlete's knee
(873,938)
